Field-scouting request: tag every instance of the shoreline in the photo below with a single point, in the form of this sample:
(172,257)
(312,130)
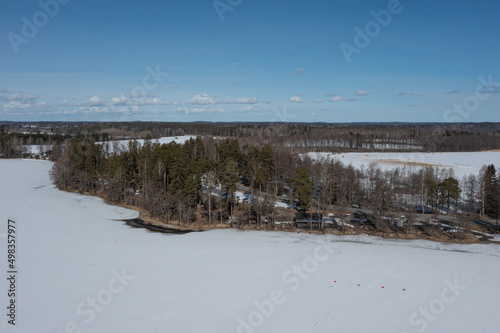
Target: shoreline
(156,225)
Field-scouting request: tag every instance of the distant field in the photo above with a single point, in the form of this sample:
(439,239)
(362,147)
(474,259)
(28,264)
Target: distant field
(462,163)
(123,144)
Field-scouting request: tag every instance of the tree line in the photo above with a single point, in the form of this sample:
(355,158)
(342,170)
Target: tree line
(199,180)
(298,137)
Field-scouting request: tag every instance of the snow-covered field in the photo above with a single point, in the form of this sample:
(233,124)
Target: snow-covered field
(36,149)
(123,144)
(462,163)
(80,271)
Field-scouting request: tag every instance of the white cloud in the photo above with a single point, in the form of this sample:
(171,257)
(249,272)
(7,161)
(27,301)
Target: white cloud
(246,100)
(20,97)
(217,110)
(267,101)
(137,94)
(93,109)
(119,101)
(491,88)
(299,70)
(25,105)
(184,110)
(15,105)
(65,103)
(406,93)
(202,99)
(153,101)
(318,101)
(297,99)
(415,104)
(124,100)
(361,93)
(95,101)
(343,99)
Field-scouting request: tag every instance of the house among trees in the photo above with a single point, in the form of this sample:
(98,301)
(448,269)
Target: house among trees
(307,220)
(249,218)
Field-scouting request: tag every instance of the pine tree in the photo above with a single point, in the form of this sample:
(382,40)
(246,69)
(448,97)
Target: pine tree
(229,177)
(492,193)
(303,187)
(432,194)
(449,191)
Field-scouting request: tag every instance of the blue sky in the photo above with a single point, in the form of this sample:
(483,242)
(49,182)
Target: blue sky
(242,60)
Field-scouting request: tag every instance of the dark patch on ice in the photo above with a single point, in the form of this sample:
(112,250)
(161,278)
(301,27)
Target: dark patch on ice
(354,241)
(139,223)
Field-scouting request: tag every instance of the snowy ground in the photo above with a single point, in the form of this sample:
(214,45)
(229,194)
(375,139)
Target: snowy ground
(36,149)
(242,196)
(461,163)
(123,144)
(80,271)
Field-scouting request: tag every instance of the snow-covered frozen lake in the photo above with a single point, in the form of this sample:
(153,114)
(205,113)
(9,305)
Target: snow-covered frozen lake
(462,163)
(80,271)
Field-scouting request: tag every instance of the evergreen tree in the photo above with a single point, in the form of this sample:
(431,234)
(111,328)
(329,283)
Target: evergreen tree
(492,193)
(228,179)
(432,194)
(303,187)
(449,191)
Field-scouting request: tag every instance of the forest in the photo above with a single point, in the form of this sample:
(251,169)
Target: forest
(199,181)
(299,137)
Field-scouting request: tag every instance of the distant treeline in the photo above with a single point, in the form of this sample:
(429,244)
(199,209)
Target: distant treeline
(12,144)
(298,137)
